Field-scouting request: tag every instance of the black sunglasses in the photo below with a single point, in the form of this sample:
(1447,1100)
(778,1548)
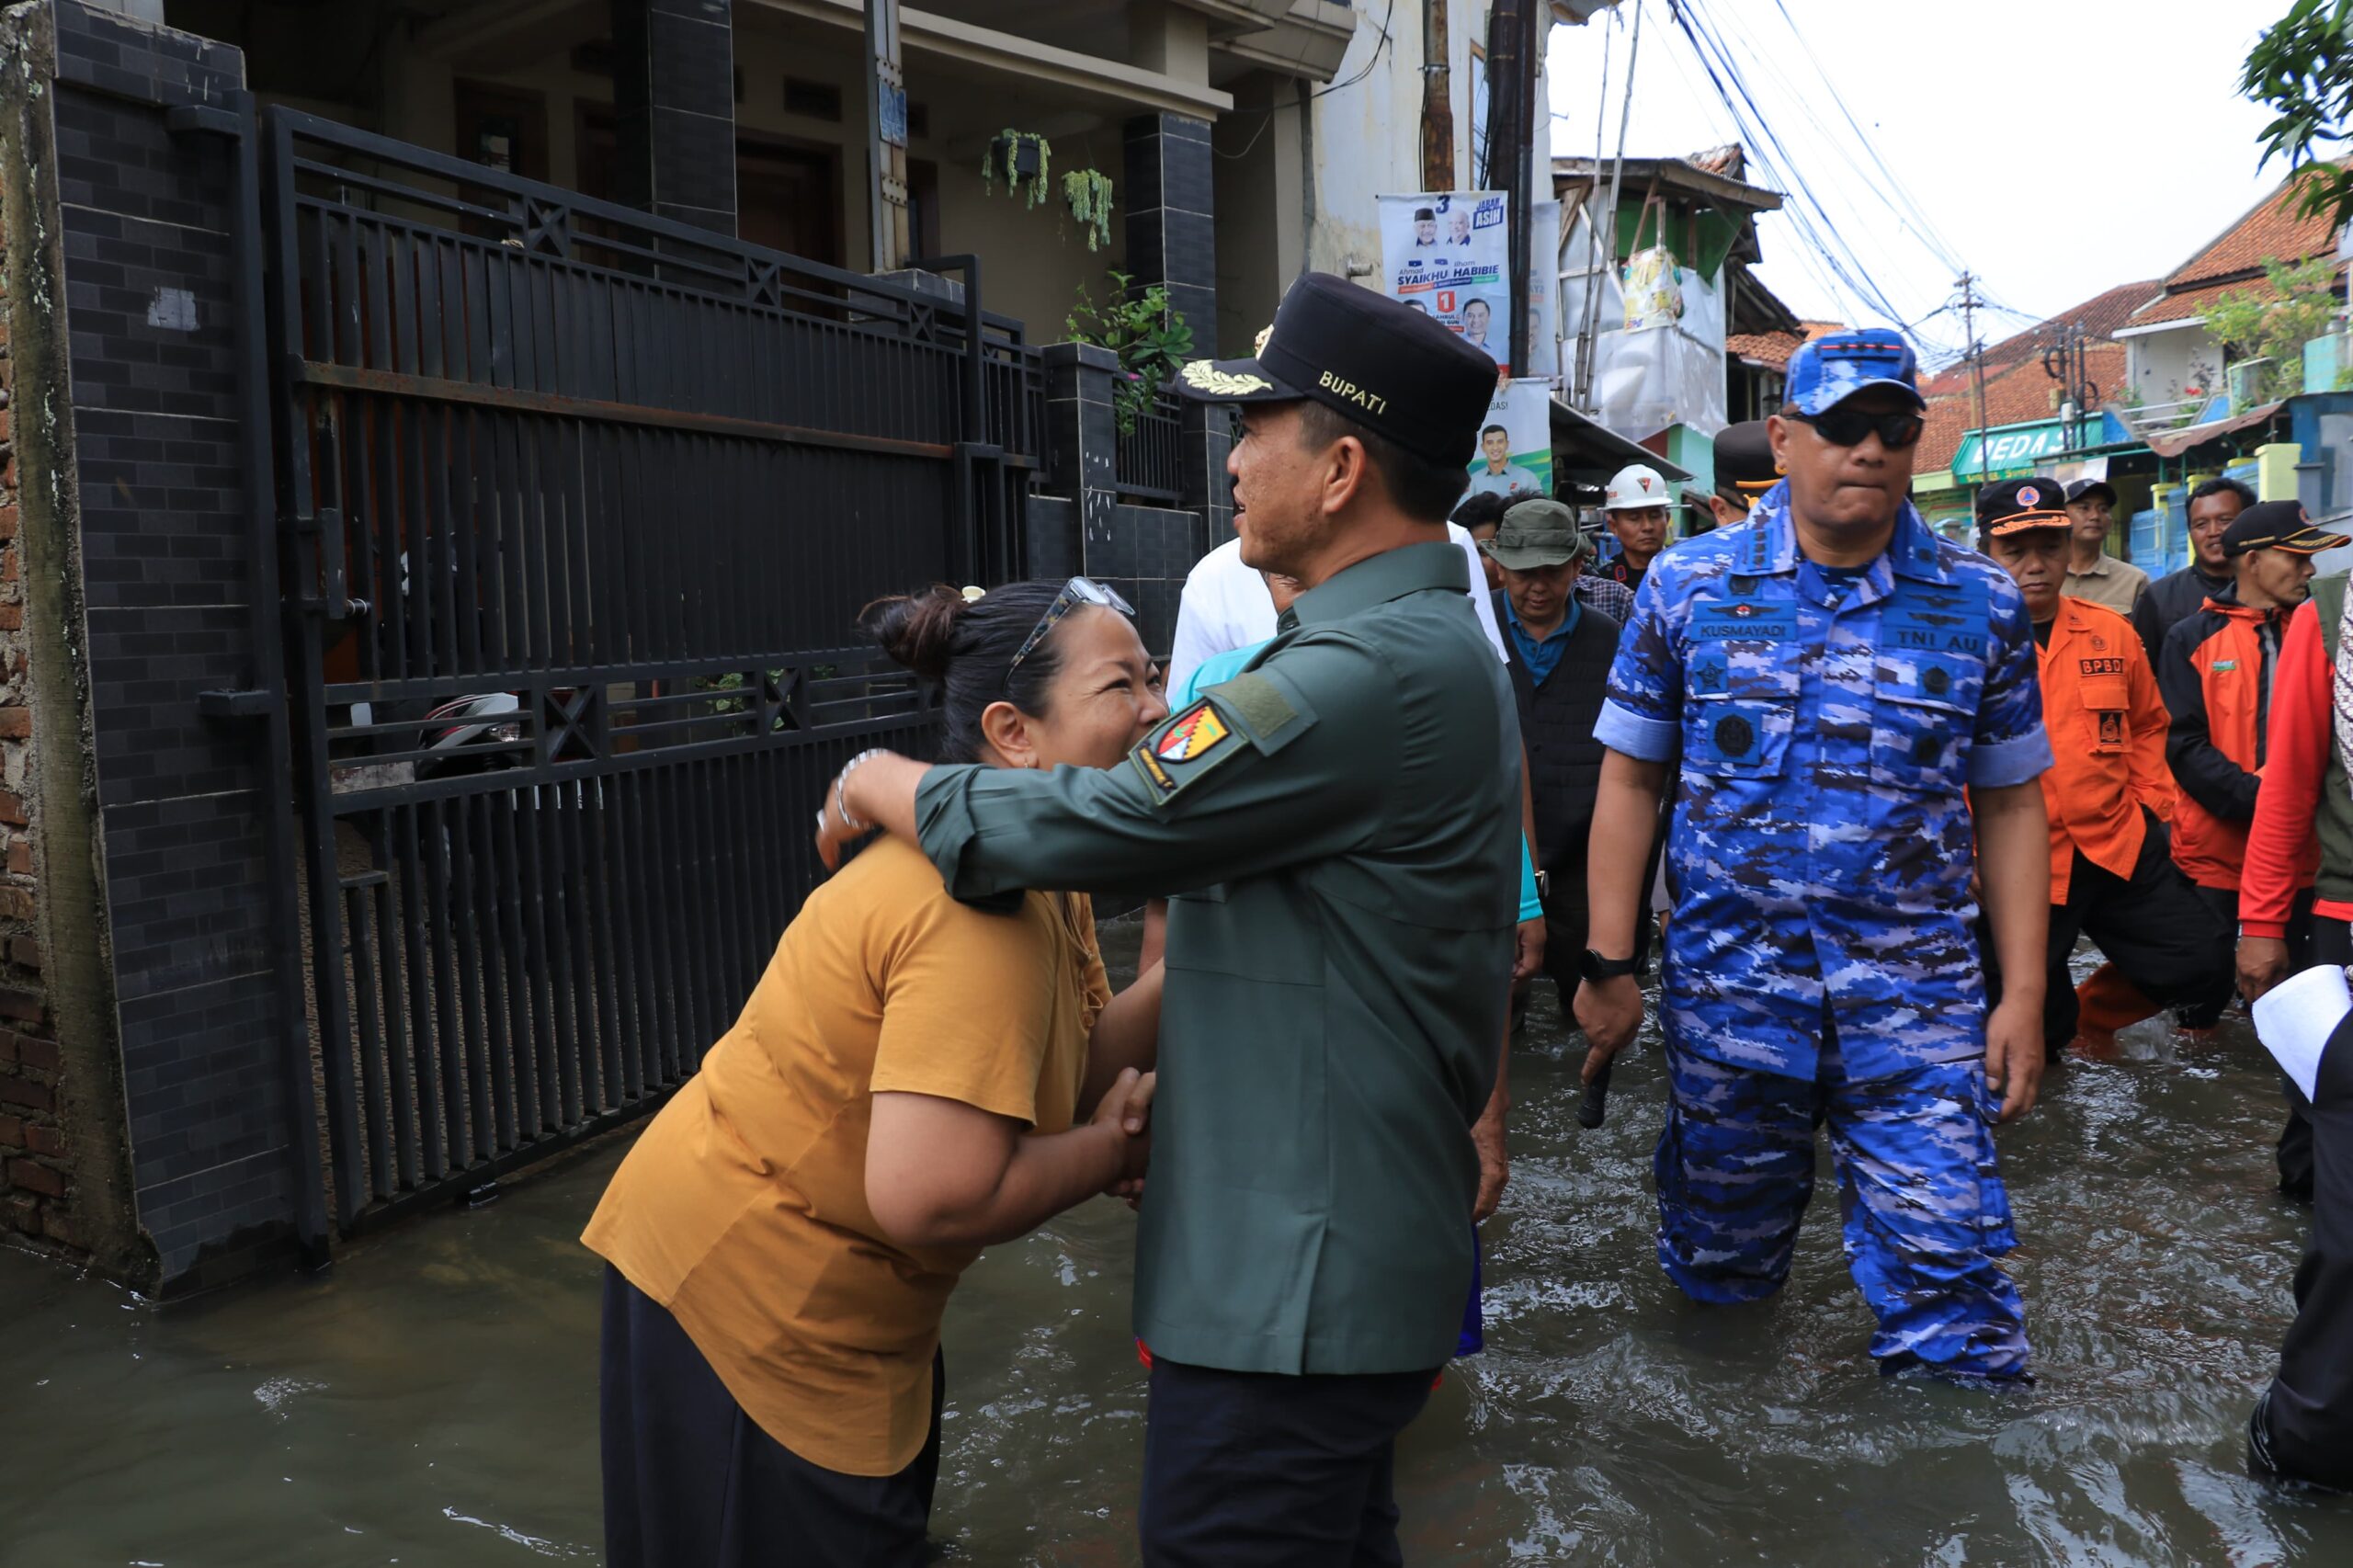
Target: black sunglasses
(1847,427)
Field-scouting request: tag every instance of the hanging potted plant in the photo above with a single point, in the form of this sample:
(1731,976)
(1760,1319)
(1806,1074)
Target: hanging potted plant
(1021,156)
(1088,192)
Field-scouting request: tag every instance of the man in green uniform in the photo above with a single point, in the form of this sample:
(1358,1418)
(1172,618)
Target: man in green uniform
(1338,825)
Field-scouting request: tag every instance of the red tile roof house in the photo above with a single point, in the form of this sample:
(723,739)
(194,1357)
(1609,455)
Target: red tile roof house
(2171,358)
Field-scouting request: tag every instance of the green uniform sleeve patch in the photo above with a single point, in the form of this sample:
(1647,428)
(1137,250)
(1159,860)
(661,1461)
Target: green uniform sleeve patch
(1269,715)
(1186,747)
(1259,703)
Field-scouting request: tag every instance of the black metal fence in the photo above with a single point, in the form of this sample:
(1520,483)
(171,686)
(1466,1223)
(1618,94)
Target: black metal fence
(581,506)
(1149,462)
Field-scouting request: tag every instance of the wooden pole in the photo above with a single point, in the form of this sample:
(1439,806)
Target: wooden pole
(1438,100)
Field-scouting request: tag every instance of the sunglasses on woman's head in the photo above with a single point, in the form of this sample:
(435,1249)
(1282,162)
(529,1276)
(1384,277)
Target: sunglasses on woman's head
(1076,592)
(1847,427)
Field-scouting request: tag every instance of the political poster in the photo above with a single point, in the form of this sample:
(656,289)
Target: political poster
(1543,289)
(1447,254)
(1515,455)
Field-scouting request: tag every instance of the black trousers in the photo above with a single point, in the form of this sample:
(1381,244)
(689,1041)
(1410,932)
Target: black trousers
(2302,1425)
(2154,926)
(2310,941)
(1567,925)
(691,1482)
(1257,1469)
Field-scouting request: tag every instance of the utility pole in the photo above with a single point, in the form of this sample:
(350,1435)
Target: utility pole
(1976,351)
(1438,100)
(1512,31)
(2067,362)
(886,147)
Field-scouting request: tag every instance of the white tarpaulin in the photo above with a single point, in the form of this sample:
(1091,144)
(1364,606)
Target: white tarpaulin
(1448,253)
(1645,380)
(1669,371)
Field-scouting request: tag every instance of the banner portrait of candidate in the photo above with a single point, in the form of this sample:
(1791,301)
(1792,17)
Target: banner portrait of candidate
(1447,254)
(1514,456)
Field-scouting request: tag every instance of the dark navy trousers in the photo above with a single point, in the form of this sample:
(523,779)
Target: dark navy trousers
(1260,1470)
(691,1482)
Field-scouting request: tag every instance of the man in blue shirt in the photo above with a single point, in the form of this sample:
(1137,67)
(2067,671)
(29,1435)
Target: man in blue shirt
(1845,708)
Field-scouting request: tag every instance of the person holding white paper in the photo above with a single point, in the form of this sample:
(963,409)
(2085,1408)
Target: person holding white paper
(2302,1429)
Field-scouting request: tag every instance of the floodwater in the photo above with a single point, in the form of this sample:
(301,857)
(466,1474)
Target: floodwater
(432,1401)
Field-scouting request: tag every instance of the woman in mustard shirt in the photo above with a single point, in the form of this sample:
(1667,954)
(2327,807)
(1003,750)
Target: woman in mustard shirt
(911,1080)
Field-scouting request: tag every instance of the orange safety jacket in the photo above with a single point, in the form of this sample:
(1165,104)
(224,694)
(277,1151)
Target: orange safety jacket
(2215,677)
(2107,725)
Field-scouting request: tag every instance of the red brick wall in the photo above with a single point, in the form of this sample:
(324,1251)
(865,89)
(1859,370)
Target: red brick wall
(36,1184)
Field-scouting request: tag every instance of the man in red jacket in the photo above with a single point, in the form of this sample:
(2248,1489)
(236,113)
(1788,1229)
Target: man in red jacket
(2303,819)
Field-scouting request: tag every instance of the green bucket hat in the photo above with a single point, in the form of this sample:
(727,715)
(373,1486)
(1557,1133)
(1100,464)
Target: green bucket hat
(1538,533)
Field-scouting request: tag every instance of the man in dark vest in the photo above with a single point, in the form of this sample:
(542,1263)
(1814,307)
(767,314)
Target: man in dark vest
(2304,796)
(1558,652)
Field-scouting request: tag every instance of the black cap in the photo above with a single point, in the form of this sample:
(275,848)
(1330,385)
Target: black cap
(2017,505)
(1744,458)
(1400,374)
(2084,487)
(2276,525)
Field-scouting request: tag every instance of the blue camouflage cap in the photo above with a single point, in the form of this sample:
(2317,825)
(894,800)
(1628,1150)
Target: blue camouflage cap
(1836,366)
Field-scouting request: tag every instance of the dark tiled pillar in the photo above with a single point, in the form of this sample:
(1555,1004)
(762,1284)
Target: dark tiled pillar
(1082,455)
(1206,490)
(1170,225)
(673,109)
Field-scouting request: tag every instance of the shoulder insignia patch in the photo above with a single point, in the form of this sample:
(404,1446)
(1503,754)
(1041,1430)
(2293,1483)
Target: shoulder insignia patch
(1186,747)
(1197,732)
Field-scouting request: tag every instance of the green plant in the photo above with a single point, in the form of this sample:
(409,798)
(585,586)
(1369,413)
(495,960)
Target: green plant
(1152,340)
(2303,67)
(1088,191)
(1003,156)
(2295,304)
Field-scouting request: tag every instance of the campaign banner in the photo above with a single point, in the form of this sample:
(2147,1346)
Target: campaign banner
(1515,455)
(1447,254)
(1543,289)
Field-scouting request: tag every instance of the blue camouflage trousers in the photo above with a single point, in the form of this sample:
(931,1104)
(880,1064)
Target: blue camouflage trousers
(1925,1212)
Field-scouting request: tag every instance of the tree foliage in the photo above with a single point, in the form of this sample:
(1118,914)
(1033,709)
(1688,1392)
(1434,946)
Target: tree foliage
(2302,69)
(1152,338)
(2274,321)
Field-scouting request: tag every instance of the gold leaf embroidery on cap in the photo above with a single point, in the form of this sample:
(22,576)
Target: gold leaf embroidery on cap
(1258,344)
(1208,378)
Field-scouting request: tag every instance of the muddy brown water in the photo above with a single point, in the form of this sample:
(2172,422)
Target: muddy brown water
(432,1401)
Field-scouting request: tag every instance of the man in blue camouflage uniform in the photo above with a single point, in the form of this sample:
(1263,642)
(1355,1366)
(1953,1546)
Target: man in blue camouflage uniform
(1819,687)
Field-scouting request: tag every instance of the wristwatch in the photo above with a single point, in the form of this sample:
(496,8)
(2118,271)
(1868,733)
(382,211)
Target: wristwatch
(1593,967)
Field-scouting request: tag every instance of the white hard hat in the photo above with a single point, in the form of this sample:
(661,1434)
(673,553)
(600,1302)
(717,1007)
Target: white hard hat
(1636,485)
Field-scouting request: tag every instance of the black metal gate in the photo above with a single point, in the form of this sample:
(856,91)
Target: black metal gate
(579,507)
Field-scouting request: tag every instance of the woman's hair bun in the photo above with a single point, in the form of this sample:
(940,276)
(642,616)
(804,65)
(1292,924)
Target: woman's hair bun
(917,629)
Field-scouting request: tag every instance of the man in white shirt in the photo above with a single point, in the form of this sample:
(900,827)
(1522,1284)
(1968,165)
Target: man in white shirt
(1226,606)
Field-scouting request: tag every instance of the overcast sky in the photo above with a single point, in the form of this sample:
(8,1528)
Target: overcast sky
(2055,147)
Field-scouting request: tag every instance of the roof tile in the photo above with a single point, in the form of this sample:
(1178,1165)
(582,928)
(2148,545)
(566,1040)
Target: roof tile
(2272,230)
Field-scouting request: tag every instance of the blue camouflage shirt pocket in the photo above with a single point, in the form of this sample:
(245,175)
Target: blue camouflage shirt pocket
(1740,687)
(1927,679)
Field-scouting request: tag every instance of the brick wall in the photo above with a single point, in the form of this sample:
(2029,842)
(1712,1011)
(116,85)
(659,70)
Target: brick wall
(37,1187)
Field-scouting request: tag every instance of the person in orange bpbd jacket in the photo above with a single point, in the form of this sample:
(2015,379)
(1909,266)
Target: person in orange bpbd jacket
(2108,794)
(2303,807)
